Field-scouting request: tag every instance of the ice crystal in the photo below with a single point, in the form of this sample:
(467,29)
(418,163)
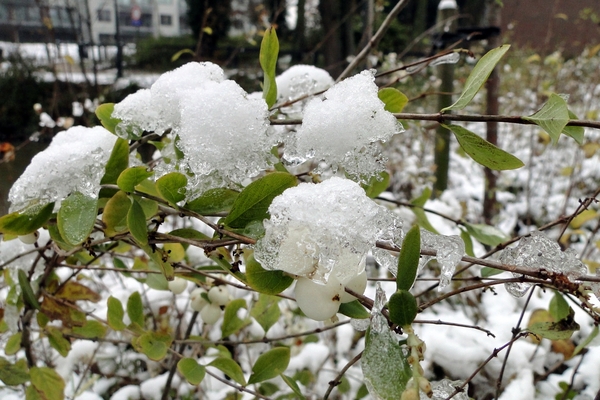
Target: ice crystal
(444,388)
(450,250)
(538,252)
(319,229)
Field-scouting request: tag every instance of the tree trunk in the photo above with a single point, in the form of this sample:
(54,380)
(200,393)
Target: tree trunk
(332,46)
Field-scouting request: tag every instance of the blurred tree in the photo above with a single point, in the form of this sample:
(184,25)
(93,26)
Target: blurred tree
(213,14)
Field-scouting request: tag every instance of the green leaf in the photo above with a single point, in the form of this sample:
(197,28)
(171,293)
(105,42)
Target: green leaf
(253,202)
(58,341)
(269,50)
(483,151)
(408,260)
(354,310)
(131,177)
(213,201)
(554,330)
(377,184)
(270,364)
(393,99)
(154,345)
(91,330)
(552,117)
(135,309)
(76,217)
(266,311)
(229,368)
(265,281)
(581,344)
(47,383)
(104,114)
(486,272)
(13,344)
(477,78)
(231,322)
(559,308)
(115,213)
(292,385)
(464,235)
(117,163)
(136,222)
(576,132)
(115,314)
(403,308)
(385,367)
(172,187)
(486,234)
(13,374)
(26,221)
(191,370)
(29,295)
(422,219)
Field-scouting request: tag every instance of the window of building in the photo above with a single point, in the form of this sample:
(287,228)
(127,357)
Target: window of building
(166,19)
(103,15)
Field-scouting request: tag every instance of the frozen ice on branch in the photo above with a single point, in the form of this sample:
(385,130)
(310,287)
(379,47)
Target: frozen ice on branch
(321,230)
(343,129)
(449,252)
(538,252)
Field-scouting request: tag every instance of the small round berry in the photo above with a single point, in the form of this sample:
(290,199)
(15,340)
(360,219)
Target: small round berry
(30,238)
(210,314)
(178,285)
(218,295)
(197,301)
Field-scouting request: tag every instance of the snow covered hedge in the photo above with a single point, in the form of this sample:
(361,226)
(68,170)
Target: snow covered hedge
(205,272)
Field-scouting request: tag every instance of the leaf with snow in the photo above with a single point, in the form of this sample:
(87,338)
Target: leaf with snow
(26,221)
(393,99)
(552,117)
(477,78)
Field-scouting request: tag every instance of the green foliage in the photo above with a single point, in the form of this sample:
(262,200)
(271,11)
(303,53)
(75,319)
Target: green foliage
(213,201)
(403,308)
(131,177)
(104,115)
(46,384)
(486,234)
(354,310)
(231,322)
(264,281)
(269,50)
(172,187)
(135,309)
(552,117)
(266,311)
(156,54)
(377,184)
(393,99)
(477,78)
(13,374)
(191,370)
(230,368)
(27,221)
(253,202)
(270,364)
(76,217)
(115,314)
(483,151)
(28,294)
(408,261)
(118,161)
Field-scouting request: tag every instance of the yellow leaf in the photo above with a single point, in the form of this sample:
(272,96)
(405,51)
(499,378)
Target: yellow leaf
(582,218)
(539,315)
(592,265)
(562,16)
(208,30)
(176,252)
(533,58)
(69,60)
(589,149)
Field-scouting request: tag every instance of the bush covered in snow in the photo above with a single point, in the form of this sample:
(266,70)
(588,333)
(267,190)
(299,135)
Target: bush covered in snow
(259,254)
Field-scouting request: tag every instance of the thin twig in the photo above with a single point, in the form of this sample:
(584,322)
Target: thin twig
(440,322)
(337,380)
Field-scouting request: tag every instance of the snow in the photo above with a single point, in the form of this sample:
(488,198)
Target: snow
(343,129)
(74,161)
(300,81)
(536,252)
(318,230)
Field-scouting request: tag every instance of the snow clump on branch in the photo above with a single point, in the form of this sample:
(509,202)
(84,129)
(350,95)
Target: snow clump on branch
(343,129)
(222,133)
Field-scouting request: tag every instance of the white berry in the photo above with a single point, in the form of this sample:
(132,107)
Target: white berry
(218,295)
(178,285)
(210,314)
(197,302)
(318,302)
(30,238)
(357,284)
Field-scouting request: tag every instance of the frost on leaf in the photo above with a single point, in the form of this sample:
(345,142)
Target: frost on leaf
(343,129)
(384,362)
(450,250)
(316,230)
(74,161)
(221,131)
(537,252)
